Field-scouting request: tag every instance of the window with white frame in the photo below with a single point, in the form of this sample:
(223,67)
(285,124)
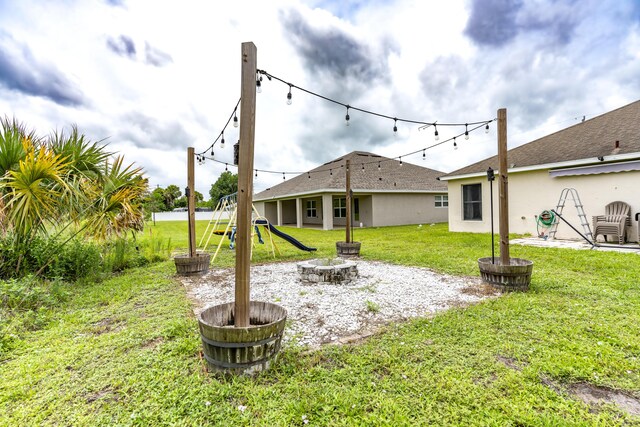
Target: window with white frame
(472,202)
(312,211)
(442,201)
(340,208)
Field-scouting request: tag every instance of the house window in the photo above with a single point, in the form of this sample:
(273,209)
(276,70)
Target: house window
(472,202)
(312,211)
(442,201)
(340,208)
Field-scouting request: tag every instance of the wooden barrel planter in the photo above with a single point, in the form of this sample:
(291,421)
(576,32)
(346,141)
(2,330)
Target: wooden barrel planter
(246,350)
(348,249)
(186,265)
(513,277)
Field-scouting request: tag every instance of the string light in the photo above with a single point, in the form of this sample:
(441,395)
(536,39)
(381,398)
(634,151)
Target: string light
(201,157)
(220,137)
(289,100)
(256,173)
(308,175)
(455,146)
(226,169)
(259,79)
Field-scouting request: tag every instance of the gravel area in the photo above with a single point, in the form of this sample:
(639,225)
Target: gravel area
(338,313)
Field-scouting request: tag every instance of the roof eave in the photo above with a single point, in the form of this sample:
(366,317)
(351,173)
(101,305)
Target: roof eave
(355,190)
(570,163)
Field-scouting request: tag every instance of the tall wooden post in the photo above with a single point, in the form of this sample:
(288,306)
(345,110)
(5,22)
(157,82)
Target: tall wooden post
(191,205)
(245,184)
(504,191)
(348,185)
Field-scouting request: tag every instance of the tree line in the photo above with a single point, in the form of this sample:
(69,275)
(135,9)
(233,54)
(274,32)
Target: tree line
(167,199)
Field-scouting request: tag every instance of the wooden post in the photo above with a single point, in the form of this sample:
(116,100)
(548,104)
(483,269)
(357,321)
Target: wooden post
(245,184)
(191,201)
(504,191)
(348,184)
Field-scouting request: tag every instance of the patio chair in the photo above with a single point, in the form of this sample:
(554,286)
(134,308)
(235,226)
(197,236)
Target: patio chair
(614,222)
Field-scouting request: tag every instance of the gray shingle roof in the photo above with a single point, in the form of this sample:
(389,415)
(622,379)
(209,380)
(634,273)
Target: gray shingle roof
(331,176)
(590,139)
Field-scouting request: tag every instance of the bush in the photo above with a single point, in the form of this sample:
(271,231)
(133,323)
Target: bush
(76,259)
(24,305)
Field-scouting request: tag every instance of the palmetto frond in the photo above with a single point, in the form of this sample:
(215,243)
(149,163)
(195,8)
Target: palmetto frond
(117,203)
(33,193)
(85,158)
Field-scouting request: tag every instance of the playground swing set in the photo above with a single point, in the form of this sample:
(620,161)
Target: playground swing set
(227,209)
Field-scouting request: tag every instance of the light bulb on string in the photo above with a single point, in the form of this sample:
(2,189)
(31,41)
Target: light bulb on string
(455,146)
(235,120)
(330,172)
(363,166)
(256,173)
(283,178)
(424,155)
(400,160)
(395,126)
(289,100)
(486,128)
(225,168)
(347,116)
(378,166)
(211,151)
(222,141)
(259,85)
(466,131)
(308,175)
(435,135)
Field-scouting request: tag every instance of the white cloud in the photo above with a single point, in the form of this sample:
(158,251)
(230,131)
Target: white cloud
(401,58)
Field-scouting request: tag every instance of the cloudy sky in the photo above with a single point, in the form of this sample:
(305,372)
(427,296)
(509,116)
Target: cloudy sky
(152,78)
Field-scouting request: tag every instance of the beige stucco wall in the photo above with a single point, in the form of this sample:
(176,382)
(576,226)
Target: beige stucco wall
(400,209)
(310,220)
(532,192)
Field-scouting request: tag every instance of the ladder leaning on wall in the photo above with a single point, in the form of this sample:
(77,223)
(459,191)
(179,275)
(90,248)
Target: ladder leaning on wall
(571,193)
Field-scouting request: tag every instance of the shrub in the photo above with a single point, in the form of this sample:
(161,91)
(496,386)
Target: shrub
(25,305)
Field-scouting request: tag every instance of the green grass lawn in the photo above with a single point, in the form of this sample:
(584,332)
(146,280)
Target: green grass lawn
(126,351)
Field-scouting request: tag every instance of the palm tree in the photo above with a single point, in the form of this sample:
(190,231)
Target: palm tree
(64,184)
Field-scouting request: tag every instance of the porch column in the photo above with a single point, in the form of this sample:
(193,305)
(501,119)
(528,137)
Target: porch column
(299,212)
(327,212)
(279,210)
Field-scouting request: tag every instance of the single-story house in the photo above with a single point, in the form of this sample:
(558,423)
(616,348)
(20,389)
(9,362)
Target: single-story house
(385,192)
(599,158)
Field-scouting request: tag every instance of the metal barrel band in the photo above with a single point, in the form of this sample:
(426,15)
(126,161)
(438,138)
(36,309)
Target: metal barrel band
(239,344)
(229,365)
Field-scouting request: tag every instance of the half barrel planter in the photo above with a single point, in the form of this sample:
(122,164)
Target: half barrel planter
(189,265)
(348,249)
(241,350)
(513,277)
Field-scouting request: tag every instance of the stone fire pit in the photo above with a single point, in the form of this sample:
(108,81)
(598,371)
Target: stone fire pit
(327,271)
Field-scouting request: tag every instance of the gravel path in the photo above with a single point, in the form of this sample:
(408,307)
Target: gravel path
(330,313)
